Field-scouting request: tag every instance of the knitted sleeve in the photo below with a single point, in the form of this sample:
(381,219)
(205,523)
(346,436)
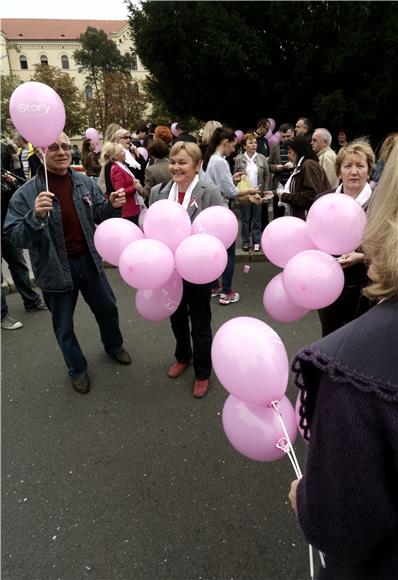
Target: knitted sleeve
(348,496)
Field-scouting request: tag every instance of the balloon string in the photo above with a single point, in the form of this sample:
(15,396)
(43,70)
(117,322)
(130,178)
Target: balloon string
(274,405)
(286,445)
(45,169)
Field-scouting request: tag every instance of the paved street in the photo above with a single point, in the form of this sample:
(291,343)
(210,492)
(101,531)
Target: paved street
(137,480)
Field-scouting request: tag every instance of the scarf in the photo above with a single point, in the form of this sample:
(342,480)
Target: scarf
(173,195)
(363,197)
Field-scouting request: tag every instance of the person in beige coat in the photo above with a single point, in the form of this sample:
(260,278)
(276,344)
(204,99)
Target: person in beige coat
(320,142)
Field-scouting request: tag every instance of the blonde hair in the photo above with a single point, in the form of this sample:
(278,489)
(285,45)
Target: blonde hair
(110,132)
(208,131)
(387,145)
(191,148)
(359,146)
(110,150)
(380,242)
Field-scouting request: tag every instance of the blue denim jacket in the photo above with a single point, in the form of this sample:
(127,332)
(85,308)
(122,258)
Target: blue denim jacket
(45,238)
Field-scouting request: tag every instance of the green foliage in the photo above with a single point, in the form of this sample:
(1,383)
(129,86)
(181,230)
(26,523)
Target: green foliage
(99,57)
(334,62)
(8,84)
(72,98)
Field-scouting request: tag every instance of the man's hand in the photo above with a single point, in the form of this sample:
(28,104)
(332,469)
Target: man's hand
(255,198)
(238,176)
(117,198)
(43,204)
(293,495)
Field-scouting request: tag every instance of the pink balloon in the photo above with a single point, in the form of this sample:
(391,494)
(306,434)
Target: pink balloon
(250,360)
(161,303)
(285,237)
(112,236)
(273,123)
(146,264)
(173,129)
(37,113)
(278,304)
(219,222)
(274,139)
(239,135)
(92,134)
(256,431)
(168,222)
(313,279)
(200,258)
(144,152)
(336,223)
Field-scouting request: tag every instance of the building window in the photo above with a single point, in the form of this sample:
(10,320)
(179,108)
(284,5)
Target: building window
(44,60)
(65,61)
(133,61)
(89,92)
(23,61)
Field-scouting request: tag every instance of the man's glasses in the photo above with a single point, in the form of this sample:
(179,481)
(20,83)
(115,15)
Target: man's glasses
(54,147)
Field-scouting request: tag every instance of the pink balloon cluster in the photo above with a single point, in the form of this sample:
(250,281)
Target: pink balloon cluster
(272,138)
(169,249)
(251,362)
(312,278)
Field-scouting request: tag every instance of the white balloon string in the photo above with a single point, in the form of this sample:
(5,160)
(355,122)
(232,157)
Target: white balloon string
(286,445)
(274,405)
(311,556)
(45,169)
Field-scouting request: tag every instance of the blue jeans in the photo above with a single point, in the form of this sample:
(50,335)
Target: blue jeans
(250,219)
(228,272)
(98,294)
(20,274)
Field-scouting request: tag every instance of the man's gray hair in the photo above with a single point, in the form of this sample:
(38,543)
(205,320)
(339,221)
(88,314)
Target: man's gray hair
(326,135)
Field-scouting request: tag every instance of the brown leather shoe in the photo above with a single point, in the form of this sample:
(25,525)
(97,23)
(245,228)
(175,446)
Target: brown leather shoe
(200,388)
(123,357)
(81,385)
(177,369)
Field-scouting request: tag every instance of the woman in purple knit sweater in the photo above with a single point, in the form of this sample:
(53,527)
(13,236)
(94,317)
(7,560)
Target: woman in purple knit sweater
(347,500)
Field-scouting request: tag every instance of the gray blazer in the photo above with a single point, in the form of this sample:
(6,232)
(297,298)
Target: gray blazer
(157,173)
(204,195)
(262,166)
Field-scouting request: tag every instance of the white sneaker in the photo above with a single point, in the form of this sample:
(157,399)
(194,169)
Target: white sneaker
(229,298)
(256,247)
(9,323)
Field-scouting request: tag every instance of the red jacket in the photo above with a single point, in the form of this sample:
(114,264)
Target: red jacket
(120,178)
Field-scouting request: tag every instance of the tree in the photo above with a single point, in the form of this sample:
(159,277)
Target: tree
(71,97)
(100,57)
(334,62)
(8,85)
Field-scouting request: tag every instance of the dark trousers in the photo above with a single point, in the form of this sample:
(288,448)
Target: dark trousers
(278,211)
(98,294)
(348,306)
(20,274)
(194,306)
(264,216)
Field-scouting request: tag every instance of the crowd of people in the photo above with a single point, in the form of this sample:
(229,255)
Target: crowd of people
(348,380)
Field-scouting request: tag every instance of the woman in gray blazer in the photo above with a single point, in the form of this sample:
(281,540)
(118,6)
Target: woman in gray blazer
(194,195)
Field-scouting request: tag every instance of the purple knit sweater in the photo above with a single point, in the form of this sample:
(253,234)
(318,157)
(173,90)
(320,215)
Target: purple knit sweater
(348,498)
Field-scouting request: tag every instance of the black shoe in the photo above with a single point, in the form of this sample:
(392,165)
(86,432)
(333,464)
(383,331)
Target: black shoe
(36,306)
(123,357)
(245,247)
(81,385)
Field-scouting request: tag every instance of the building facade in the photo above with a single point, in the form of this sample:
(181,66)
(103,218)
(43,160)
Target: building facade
(27,42)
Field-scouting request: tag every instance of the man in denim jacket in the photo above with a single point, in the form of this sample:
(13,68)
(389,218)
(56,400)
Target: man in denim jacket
(57,226)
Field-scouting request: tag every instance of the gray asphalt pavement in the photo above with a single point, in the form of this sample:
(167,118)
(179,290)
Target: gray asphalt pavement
(137,480)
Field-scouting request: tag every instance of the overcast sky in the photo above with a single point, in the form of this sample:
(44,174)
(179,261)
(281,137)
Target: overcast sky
(83,10)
